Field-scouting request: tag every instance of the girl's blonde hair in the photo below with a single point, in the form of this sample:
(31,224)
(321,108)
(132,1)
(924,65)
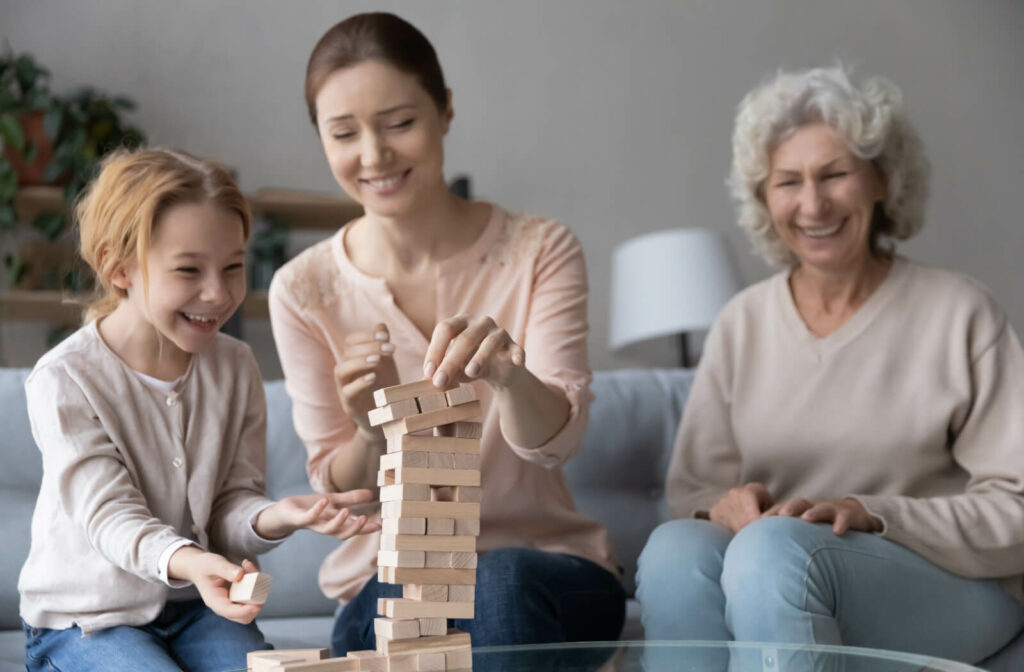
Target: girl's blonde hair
(117,212)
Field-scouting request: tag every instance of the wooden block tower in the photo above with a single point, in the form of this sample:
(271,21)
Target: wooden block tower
(430,516)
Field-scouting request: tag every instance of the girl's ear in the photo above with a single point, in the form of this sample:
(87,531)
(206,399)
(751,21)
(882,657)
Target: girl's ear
(449,114)
(121,279)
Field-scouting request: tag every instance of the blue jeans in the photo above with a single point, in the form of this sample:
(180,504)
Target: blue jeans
(185,636)
(523,596)
(789,581)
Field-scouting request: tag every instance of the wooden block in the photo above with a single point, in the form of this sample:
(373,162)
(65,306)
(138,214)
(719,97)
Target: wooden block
(466,462)
(433,626)
(448,576)
(442,560)
(441,460)
(405,458)
(270,660)
(452,640)
(461,430)
(458,659)
(430,662)
(327,665)
(461,593)
(441,526)
(468,494)
(412,492)
(433,476)
(369,661)
(279,655)
(424,542)
(406,526)
(401,608)
(432,444)
(430,510)
(463,394)
(467,526)
(444,416)
(426,592)
(396,628)
(432,402)
(406,662)
(251,589)
(389,395)
(392,412)
(401,559)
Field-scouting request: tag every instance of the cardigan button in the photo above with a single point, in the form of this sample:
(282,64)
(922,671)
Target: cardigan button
(177,462)
(172,400)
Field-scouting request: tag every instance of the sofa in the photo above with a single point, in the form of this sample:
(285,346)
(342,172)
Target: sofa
(617,477)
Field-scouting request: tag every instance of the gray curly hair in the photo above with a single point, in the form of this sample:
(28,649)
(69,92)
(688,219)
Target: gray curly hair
(867,115)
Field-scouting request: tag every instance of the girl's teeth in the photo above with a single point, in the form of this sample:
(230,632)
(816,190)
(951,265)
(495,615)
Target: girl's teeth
(199,318)
(822,233)
(385,182)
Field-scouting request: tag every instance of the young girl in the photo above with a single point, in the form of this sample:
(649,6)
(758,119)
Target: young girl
(152,426)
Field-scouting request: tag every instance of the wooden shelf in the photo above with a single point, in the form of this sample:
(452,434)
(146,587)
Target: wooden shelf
(55,306)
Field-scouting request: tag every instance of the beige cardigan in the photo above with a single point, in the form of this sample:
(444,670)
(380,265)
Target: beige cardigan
(119,460)
(528,274)
(915,406)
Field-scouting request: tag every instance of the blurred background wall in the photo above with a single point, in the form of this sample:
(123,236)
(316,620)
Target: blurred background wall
(613,116)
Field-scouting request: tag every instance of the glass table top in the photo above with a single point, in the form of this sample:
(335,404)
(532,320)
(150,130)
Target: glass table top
(660,656)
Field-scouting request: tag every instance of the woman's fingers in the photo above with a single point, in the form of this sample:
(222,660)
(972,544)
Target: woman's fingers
(794,507)
(359,385)
(495,342)
(444,333)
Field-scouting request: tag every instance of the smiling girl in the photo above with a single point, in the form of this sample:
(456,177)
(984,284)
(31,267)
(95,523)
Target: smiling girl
(152,427)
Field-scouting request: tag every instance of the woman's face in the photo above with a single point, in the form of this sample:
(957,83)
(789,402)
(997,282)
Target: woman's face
(821,198)
(383,137)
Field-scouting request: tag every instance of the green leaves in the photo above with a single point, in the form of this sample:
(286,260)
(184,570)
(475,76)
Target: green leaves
(50,224)
(10,131)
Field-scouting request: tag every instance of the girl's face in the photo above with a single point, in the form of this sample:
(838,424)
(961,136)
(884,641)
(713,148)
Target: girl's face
(821,198)
(383,137)
(196,268)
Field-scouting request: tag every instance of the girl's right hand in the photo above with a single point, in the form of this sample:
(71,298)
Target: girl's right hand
(213,575)
(366,365)
(741,506)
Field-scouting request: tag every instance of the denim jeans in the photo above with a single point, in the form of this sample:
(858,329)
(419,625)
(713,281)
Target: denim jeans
(185,636)
(523,596)
(789,581)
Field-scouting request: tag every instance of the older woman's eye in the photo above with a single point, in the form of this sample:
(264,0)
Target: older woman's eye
(402,124)
(836,175)
(345,135)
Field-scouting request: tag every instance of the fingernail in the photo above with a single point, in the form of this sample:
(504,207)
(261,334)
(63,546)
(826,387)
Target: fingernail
(440,379)
(370,377)
(372,359)
(473,369)
(429,368)
(381,335)
(387,347)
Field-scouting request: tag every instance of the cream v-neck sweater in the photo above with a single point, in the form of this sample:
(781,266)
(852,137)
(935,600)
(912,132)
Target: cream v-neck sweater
(915,406)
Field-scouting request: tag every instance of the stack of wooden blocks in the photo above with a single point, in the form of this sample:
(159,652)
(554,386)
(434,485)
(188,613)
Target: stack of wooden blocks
(430,514)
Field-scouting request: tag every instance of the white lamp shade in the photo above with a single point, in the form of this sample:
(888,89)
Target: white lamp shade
(668,283)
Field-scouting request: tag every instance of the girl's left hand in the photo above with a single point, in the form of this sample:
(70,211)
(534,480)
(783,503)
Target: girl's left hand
(327,514)
(468,347)
(844,514)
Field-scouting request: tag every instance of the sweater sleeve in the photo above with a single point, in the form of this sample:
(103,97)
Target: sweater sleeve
(705,458)
(243,492)
(93,484)
(980,533)
(308,365)
(555,341)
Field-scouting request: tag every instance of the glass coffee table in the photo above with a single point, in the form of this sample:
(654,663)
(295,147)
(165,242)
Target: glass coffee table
(657,656)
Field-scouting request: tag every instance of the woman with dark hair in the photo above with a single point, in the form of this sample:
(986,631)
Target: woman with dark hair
(428,285)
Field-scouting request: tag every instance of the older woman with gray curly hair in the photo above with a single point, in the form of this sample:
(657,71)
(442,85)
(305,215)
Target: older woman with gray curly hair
(850,465)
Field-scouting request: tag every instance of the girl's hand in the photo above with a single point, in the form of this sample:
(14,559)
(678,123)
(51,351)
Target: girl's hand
(213,575)
(468,347)
(844,514)
(366,365)
(327,514)
(741,506)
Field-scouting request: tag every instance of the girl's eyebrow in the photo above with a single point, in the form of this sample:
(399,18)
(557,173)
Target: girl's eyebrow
(396,108)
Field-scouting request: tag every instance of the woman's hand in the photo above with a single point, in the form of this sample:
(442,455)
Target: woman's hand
(213,575)
(366,365)
(327,514)
(468,347)
(844,514)
(741,506)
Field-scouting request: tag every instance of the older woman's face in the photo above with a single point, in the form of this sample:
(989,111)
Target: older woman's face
(821,197)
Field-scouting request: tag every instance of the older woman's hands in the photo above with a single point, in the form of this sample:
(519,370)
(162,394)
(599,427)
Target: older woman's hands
(741,506)
(844,514)
(467,347)
(366,365)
